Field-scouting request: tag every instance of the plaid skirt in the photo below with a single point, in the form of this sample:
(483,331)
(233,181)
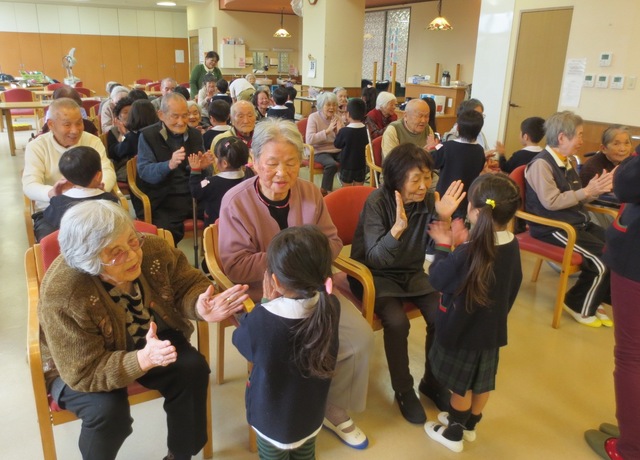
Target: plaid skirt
(463,370)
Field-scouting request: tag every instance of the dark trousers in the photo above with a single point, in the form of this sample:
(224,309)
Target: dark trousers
(41,227)
(171,214)
(267,451)
(106,417)
(330,164)
(593,285)
(626,313)
(396,326)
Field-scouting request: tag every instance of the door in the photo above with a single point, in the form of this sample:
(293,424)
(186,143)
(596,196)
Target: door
(537,73)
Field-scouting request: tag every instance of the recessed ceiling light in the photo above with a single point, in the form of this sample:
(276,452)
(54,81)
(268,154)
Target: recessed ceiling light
(166,3)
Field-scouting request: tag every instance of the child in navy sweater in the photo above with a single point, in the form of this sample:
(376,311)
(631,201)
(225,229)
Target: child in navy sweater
(531,133)
(280,110)
(353,140)
(479,282)
(292,341)
(231,154)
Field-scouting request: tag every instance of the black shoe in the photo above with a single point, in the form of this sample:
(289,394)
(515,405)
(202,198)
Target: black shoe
(438,394)
(411,407)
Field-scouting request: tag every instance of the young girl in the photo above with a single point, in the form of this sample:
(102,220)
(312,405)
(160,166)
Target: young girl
(477,293)
(231,154)
(292,342)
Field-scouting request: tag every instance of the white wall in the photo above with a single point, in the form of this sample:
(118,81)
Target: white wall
(84,20)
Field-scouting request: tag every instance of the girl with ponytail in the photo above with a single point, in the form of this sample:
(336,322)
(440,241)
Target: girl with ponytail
(292,341)
(478,282)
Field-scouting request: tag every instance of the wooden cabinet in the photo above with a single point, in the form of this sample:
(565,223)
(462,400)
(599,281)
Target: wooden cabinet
(148,59)
(165,58)
(111,62)
(30,54)
(454,94)
(232,56)
(182,69)
(10,60)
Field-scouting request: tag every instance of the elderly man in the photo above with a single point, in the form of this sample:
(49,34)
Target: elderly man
(167,86)
(163,174)
(41,178)
(554,191)
(413,128)
(243,121)
(242,89)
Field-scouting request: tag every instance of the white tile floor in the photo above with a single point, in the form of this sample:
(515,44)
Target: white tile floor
(552,384)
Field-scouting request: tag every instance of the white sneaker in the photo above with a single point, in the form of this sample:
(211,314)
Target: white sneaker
(467,435)
(434,431)
(601,314)
(589,321)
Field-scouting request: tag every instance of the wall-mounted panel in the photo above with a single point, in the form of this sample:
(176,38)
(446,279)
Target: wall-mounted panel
(164,24)
(48,19)
(180,29)
(146,23)
(8,18)
(89,20)
(128,22)
(26,17)
(108,22)
(69,18)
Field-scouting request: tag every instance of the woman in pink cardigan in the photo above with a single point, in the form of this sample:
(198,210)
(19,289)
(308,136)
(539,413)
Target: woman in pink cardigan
(251,214)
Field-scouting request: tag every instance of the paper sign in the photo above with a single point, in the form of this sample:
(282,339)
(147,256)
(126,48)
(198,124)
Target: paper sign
(572,82)
(179,56)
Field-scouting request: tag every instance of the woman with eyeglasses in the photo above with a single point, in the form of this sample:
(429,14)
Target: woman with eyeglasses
(115,309)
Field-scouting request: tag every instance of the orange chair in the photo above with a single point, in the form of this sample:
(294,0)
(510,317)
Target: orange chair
(374,161)
(344,206)
(568,260)
(37,260)
(21,95)
(191,226)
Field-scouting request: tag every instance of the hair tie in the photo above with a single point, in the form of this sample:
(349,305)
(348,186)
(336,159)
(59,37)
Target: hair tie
(328,285)
(491,203)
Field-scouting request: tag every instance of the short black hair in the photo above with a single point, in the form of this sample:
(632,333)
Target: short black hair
(280,95)
(357,109)
(533,127)
(136,94)
(219,110)
(400,161)
(121,104)
(293,93)
(234,150)
(80,165)
(212,54)
(141,115)
(182,90)
(222,85)
(470,124)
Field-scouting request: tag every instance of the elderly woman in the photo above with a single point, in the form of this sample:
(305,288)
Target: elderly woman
(209,67)
(615,148)
(391,239)
(106,109)
(322,128)
(262,101)
(195,119)
(252,213)
(113,314)
(384,113)
(343,98)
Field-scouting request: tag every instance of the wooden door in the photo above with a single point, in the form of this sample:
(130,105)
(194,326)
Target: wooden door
(182,69)
(148,59)
(111,63)
(30,58)
(165,57)
(10,59)
(129,59)
(539,65)
(52,54)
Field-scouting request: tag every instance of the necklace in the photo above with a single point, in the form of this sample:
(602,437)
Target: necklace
(266,203)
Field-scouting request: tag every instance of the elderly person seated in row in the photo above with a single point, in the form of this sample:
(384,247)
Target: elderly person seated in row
(261,101)
(385,112)
(167,85)
(252,213)
(322,128)
(107,323)
(243,122)
(615,148)
(106,109)
(71,93)
(413,128)
(41,178)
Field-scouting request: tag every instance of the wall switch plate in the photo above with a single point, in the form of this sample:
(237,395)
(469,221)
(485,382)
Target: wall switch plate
(602,81)
(631,82)
(617,82)
(605,59)
(589,80)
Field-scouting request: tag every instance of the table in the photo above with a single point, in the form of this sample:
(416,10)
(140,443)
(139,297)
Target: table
(5,109)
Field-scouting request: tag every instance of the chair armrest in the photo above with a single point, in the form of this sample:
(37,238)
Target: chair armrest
(602,210)
(28,221)
(567,228)
(123,200)
(133,187)
(362,273)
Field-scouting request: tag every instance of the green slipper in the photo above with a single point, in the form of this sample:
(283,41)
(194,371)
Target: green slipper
(596,440)
(610,429)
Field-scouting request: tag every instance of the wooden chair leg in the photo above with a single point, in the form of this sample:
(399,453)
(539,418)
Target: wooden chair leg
(536,270)
(46,436)
(207,451)
(220,353)
(253,441)
(562,289)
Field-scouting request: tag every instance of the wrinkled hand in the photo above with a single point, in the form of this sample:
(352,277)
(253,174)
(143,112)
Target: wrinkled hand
(177,157)
(60,187)
(401,222)
(269,290)
(440,232)
(215,308)
(156,352)
(600,183)
(449,202)
(332,125)
(431,143)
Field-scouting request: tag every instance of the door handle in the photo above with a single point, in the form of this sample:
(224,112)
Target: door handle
(511,104)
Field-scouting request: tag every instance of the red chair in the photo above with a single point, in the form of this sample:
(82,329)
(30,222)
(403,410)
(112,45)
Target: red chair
(143,81)
(21,95)
(310,159)
(37,260)
(185,85)
(55,86)
(374,161)
(78,84)
(84,92)
(154,86)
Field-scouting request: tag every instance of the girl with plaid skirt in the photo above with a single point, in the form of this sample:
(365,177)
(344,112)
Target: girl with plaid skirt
(478,282)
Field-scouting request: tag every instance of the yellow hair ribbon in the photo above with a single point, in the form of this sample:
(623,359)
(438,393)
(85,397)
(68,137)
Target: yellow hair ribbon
(491,203)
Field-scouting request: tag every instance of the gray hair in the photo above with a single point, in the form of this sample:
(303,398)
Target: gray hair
(117,90)
(235,106)
(612,131)
(192,104)
(168,80)
(337,89)
(565,122)
(89,227)
(60,104)
(384,97)
(275,129)
(325,97)
(164,103)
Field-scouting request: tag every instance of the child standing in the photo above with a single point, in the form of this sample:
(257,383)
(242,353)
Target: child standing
(280,96)
(531,133)
(219,112)
(82,168)
(479,282)
(292,342)
(231,154)
(353,140)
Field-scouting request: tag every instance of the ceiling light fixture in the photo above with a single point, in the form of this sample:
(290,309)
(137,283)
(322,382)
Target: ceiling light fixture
(440,23)
(166,3)
(282,32)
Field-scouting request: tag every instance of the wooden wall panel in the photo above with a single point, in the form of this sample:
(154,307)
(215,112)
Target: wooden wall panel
(30,51)
(88,54)
(165,57)
(182,70)
(111,63)
(592,136)
(148,58)
(52,54)
(10,59)
(130,62)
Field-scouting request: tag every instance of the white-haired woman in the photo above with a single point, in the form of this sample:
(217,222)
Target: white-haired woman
(106,109)
(379,118)
(251,214)
(112,315)
(322,128)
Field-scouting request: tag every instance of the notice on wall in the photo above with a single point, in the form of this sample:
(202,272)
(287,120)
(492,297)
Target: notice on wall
(312,68)
(572,82)
(179,56)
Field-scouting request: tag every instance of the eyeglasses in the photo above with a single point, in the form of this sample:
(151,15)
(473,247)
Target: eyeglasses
(122,255)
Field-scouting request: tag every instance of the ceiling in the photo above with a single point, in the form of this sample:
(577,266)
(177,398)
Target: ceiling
(258,6)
